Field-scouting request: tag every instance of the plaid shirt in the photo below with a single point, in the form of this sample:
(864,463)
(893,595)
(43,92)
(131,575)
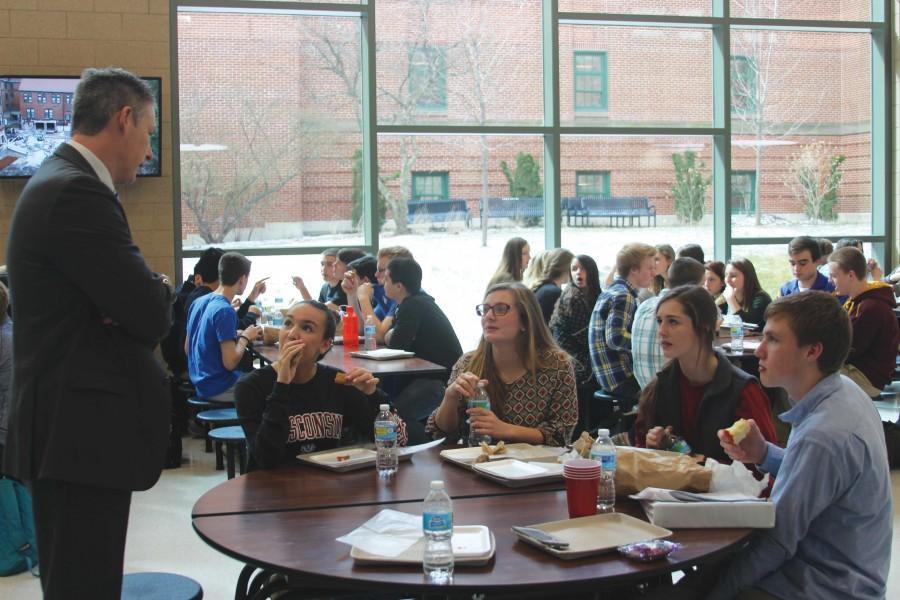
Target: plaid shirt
(646,352)
(609,335)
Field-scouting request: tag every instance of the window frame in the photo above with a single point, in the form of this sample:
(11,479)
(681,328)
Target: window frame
(444,178)
(602,74)
(607,184)
(438,57)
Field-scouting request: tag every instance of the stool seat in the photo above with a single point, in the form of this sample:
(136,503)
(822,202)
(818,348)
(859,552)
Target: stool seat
(233,433)
(160,586)
(223,416)
(201,403)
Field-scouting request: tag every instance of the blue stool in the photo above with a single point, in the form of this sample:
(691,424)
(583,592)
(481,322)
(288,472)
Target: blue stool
(198,404)
(160,586)
(218,417)
(235,447)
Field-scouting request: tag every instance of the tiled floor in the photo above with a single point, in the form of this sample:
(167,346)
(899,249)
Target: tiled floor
(160,537)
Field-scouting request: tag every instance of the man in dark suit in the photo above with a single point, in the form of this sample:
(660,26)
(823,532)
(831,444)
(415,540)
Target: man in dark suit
(90,409)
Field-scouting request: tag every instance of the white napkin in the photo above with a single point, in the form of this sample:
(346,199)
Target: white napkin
(389,533)
(734,478)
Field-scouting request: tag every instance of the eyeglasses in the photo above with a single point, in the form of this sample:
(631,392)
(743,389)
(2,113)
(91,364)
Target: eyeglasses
(500,309)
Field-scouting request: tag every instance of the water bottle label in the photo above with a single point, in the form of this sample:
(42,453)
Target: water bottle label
(437,521)
(737,330)
(607,460)
(479,403)
(370,330)
(385,432)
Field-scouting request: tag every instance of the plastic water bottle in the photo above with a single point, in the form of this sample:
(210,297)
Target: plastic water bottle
(481,400)
(737,334)
(370,343)
(437,525)
(385,442)
(277,319)
(604,452)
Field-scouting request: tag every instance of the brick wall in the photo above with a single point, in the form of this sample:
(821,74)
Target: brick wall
(62,37)
(247,77)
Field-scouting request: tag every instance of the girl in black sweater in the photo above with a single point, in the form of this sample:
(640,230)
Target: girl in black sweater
(297,406)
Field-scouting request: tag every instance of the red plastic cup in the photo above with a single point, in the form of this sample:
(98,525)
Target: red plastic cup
(581,495)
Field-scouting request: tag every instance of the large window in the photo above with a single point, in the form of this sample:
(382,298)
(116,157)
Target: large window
(738,124)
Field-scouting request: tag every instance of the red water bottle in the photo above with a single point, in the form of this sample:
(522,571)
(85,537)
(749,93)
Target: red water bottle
(351,329)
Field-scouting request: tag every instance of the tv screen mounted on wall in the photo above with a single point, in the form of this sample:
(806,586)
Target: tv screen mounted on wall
(36,117)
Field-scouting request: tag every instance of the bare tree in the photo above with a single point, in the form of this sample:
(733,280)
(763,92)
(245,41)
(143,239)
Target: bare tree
(485,66)
(405,94)
(763,86)
(225,189)
(815,176)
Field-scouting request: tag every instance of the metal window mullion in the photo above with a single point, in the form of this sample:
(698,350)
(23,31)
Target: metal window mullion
(721,81)
(881,147)
(369,131)
(551,133)
(178,252)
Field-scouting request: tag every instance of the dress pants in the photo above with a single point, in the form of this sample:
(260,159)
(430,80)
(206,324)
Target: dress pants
(81,539)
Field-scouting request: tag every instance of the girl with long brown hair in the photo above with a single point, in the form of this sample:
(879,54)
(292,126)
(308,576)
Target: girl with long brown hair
(530,381)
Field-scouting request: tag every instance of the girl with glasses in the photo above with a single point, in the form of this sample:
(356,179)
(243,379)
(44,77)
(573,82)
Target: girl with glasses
(530,381)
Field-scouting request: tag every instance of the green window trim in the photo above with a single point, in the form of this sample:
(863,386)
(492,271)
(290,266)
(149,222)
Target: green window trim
(592,183)
(431,185)
(428,78)
(743,84)
(590,80)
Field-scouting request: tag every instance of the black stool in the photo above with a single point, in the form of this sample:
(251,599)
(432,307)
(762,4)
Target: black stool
(160,586)
(610,411)
(235,443)
(218,417)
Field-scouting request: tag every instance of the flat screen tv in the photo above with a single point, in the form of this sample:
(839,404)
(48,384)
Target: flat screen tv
(36,117)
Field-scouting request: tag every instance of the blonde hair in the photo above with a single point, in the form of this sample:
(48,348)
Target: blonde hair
(395,252)
(631,256)
(536,348)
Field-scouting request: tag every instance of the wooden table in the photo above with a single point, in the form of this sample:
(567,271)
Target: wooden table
(287,521)
(305,487)
(339,358)
(302,543)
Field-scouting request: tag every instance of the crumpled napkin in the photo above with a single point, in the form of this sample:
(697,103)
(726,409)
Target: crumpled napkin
(734,478)
(389,533)
(730,483)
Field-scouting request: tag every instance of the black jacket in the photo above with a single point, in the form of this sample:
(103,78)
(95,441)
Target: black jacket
(90,401)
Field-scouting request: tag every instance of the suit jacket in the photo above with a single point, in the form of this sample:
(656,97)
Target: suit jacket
(90,403)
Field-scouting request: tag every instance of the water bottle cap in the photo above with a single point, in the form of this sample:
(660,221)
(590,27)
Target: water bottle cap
(383,407)
(603,432)
(437,484)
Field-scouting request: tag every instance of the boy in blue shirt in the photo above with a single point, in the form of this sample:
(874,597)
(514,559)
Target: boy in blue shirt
(803,254)
(214,345)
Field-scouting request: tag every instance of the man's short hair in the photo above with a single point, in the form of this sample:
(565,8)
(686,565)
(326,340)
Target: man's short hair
(685,271)
(233,266)
(816,317)
(330,252)
(631,256)
(850,260)
(102,93)
(825,247)
(694,251)
(851,242)
(348,255)
(365,267)
(207,266)
(395,252)
(406,271)
(804,242)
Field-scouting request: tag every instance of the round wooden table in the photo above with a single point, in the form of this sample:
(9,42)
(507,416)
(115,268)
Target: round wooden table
(287,520)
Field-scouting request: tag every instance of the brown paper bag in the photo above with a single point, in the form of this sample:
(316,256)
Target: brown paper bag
(270,334)
(637,469)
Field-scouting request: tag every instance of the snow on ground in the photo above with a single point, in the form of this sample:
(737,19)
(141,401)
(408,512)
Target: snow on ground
(456,268)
